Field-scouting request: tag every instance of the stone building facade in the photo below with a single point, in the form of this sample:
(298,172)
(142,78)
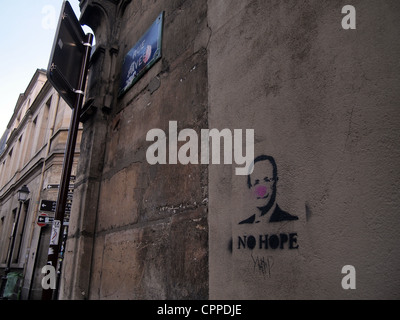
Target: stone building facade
(322,100)
(32,155)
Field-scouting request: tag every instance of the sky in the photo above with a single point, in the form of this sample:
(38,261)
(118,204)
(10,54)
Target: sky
(27,31)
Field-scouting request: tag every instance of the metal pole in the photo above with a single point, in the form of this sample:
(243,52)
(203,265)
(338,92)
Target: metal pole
(55,244)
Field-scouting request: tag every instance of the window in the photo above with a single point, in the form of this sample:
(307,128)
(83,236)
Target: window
(20,232)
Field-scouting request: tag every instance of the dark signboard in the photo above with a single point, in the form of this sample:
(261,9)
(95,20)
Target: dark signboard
(145,53)
(50,206)
(44,219)
(67,54)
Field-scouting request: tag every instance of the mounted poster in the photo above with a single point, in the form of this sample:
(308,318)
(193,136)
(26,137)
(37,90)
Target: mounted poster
(145,53)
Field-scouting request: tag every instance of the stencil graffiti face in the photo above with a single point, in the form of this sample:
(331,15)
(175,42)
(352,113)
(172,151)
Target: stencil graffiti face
(261,191)
(262,180)
(262,184)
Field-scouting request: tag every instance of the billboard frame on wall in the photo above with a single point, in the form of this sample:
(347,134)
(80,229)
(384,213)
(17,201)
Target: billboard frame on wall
(143,55)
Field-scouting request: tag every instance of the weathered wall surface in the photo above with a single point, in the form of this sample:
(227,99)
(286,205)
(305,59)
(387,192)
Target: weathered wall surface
(324,102)
(142,230)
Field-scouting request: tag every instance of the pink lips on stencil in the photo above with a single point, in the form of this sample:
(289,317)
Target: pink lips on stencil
(260,191)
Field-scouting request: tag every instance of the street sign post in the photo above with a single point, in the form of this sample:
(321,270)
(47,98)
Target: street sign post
(52,186)
(68,68)
(48,205)
(68,51)
(43,219)
(51,206)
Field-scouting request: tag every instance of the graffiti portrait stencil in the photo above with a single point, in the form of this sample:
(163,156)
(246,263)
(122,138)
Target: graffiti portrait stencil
(264,243)
(262,183)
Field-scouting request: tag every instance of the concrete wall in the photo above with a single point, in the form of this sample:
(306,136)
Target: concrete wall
(324,102)
(141,231)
